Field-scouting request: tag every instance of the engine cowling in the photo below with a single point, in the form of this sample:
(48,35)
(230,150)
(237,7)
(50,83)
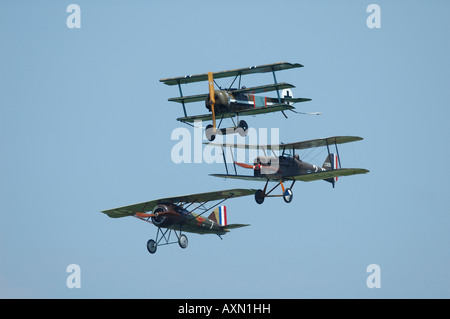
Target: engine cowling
(162,218)
(222,101)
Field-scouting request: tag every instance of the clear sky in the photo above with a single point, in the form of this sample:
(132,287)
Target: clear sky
(85,126)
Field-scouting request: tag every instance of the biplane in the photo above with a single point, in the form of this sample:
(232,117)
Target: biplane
(223,103)
(287,167)
(183,214)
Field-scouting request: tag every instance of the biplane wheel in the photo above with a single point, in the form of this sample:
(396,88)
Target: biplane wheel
(209,132)
(288,195)
(242,128)
(259,196)
(151,246)
(183,241)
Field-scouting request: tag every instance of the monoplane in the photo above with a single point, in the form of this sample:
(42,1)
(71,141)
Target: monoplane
(286,167)
(183,214)
(232,102)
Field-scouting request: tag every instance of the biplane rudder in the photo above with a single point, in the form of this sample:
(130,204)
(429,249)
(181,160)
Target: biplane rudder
(219,215)
(331,162)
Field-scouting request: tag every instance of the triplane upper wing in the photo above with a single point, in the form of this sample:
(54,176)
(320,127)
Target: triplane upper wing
(236,72)
(183,214)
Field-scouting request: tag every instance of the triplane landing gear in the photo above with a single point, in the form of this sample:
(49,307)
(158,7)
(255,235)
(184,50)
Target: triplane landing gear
(153,244)
(287,194)
(241,129)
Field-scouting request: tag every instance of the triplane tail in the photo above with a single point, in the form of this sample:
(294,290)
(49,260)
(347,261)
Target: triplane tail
(331,163)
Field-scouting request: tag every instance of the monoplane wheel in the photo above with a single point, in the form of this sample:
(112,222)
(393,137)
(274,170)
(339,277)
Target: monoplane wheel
(288,195)
(242,128)
(151,246)
(210,133)
(259,196)
(183,241)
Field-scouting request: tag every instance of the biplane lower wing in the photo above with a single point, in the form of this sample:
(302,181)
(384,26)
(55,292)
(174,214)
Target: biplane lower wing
(304,177)
(131,210)
(246,112)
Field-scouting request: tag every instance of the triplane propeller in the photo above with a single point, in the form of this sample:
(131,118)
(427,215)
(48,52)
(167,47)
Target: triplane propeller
(183,214)
(235,102)
(285,167)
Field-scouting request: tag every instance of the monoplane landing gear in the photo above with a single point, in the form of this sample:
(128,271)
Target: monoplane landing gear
(287,193)
(183,241)
(151,246)
(164,237)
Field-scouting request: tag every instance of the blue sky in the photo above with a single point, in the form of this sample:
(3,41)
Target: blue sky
(85,126)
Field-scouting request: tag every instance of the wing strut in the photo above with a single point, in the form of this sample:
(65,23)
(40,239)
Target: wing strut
(182,102)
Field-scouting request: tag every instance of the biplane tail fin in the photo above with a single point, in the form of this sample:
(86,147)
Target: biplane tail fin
(219,215)
(331,162)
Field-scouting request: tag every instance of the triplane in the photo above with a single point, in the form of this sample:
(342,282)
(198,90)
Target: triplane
(232,102)
(183,214)
(286,167)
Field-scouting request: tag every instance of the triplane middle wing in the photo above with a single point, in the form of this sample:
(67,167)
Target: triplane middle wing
(224,103)
(183,213)
(291,168)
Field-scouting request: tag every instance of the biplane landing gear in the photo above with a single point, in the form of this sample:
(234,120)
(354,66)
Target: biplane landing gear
(153,244)
(287,194)
(259,196)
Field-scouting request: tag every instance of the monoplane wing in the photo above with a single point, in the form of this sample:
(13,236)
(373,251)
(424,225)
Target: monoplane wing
(297,145)
(222,74)
(252,111)
(193,198)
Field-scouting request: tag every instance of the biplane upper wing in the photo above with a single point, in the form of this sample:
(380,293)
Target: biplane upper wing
(304,177)
(252,111)
(297,145)
(193,198)
(222,74)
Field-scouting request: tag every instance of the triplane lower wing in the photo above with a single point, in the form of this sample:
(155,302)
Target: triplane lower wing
(224,103)
(183,214)
(290,167)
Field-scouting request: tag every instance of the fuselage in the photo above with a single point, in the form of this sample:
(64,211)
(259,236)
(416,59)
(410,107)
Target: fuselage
(177,218)
(229,101)
(283,166)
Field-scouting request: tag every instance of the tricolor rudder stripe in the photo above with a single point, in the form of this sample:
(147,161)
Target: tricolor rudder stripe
(222,215)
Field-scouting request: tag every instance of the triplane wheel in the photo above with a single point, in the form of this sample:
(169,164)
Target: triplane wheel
(242,128)
(210,133)
(151,246)
(183,241)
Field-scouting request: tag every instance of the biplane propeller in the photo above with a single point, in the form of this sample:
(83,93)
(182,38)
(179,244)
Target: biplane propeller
(285,168)
(183,214)
(235,102)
